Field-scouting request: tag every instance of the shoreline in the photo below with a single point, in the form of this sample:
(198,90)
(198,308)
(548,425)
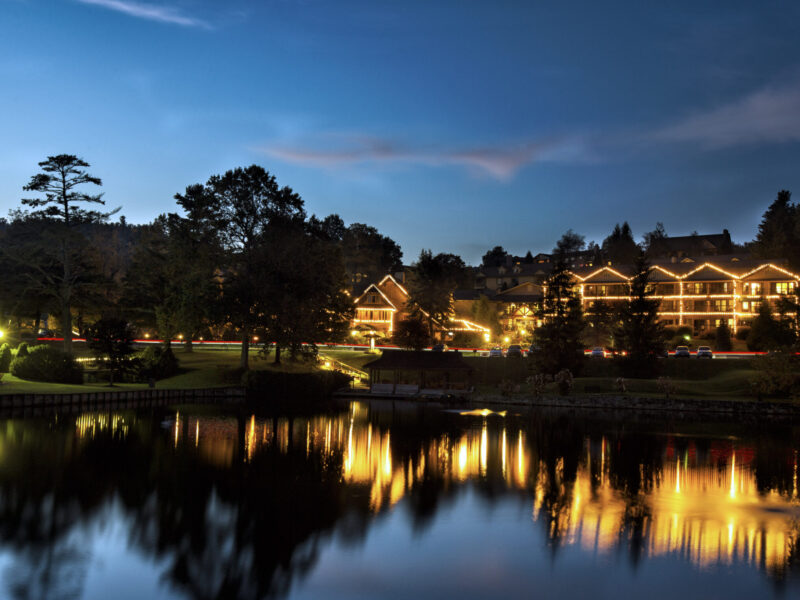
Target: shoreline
(754,408)
(122,398)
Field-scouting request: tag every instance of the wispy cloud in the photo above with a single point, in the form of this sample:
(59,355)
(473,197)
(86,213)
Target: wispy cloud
(771,115)
(498,162)
(151,12)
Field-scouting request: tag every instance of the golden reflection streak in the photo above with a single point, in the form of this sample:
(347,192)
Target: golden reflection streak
(690,508)
(177,427)
(88,424)
(484,448)
(503,448)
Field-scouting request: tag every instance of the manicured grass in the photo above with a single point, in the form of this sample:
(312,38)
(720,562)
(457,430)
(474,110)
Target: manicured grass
(199,369)
(14,385)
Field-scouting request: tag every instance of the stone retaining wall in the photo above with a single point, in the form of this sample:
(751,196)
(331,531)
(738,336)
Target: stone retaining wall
(122,398)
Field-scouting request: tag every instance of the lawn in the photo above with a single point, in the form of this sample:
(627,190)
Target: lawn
(199,369)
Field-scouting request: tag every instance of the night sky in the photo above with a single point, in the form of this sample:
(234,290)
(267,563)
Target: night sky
(454,126)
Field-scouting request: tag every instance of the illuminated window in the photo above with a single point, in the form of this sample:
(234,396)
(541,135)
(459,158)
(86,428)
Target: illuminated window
(752,289)
(721,305)
(784,287)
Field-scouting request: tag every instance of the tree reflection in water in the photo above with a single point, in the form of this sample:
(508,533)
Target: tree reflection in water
(239,505)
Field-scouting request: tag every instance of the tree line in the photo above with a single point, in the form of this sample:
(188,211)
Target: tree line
(239,258)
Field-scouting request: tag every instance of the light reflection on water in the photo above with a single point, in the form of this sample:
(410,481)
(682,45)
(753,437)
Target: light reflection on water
(601,489)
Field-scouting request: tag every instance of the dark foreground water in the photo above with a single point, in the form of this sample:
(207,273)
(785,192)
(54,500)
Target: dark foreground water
(375,502)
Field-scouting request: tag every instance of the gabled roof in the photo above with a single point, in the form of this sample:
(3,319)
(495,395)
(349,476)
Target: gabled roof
(419,360)
(604,275)
(707,272)
(372,286)
(768,272)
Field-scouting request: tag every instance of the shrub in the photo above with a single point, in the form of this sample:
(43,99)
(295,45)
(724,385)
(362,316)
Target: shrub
(777,374)
(44,363)
(22,349)
(564,381)
(538,383)
(5,358)
(157,362)
(742,333)
(468,339)
(723,338)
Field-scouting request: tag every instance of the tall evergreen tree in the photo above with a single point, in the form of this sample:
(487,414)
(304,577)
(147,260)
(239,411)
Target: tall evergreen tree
(768,333)
(639,332)
(600,323)
(495,257)
(62,181)
(559,338)
(432,283)
(569,243)
(779,231)
(619,247)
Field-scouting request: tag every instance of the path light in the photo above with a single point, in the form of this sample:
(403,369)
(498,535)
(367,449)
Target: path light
(486,337)
(354,333)
(180,336)
(506,340)
(255,338)
(2,333)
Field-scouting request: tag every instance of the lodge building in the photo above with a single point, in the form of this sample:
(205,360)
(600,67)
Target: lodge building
(383,305)
(699,293)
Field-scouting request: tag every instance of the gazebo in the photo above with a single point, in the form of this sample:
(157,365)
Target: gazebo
(406,372)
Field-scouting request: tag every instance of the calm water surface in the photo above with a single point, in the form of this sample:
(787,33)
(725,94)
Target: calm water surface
(376,502)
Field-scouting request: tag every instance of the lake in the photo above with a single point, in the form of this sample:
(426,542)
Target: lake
(396,501)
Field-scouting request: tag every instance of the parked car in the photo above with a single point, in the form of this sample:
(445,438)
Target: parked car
(439,348)
(597,353)
(704,352)
(497,351)
(514,351)
(682,352)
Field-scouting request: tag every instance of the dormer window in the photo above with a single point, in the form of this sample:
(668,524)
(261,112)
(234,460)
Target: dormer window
(501,270)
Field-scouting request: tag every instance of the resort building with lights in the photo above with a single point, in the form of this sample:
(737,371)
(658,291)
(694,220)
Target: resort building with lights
(701,293)
(383,305)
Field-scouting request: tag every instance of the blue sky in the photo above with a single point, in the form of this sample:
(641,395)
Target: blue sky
(453,126)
